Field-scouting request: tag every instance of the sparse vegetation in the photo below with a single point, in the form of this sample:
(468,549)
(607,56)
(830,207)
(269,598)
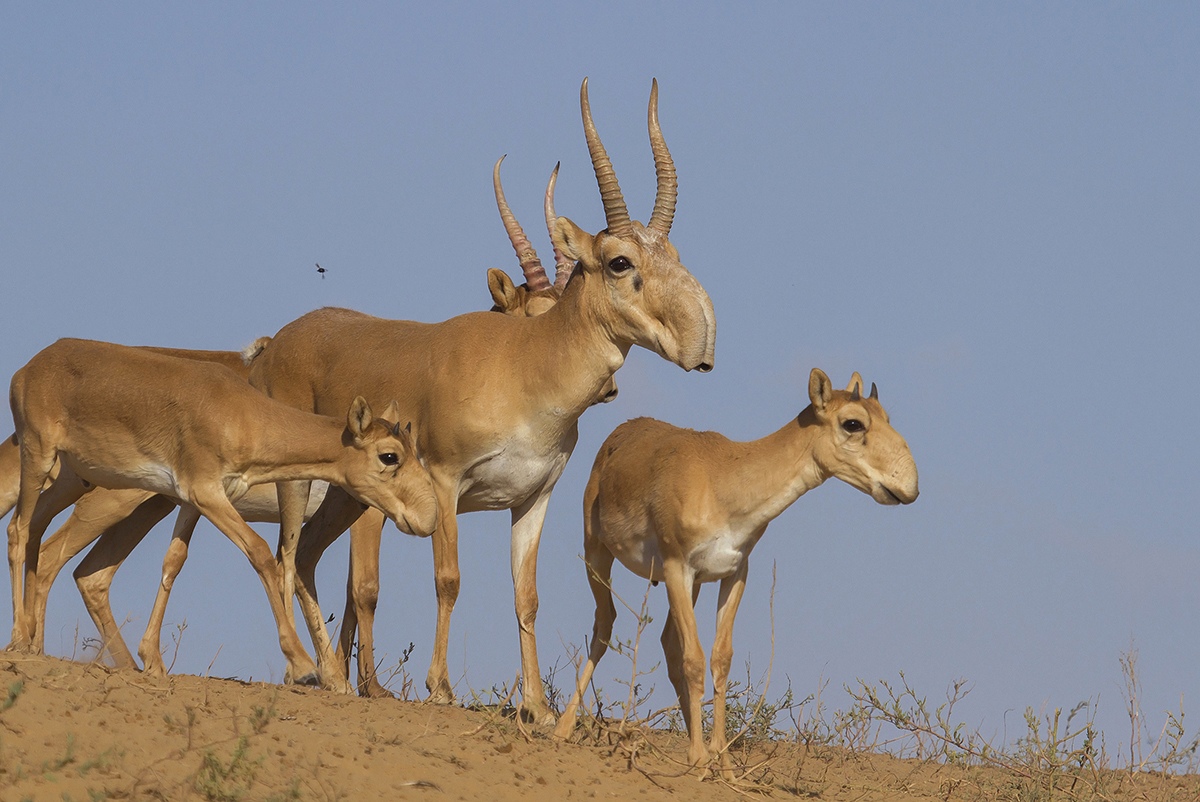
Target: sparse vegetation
(776,742)
(870,741)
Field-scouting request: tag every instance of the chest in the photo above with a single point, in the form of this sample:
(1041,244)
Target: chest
(722,554)
(513,471)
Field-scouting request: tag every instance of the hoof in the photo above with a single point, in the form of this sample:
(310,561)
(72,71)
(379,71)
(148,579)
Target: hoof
(373,690)
(338,685)
(310,679)
(441,695)
(539,715)
(565,728)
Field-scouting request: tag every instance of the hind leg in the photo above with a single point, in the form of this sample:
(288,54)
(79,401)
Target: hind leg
(25,530)
(100,514)
(599,561)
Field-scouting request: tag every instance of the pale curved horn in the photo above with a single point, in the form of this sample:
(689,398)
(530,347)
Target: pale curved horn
(615,213)
(664,167)
(562,265)
(531,265)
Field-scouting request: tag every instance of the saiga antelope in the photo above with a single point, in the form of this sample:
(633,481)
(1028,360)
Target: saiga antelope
(495,399)
(124,417)
(687,507)
(529,299)
(101,503)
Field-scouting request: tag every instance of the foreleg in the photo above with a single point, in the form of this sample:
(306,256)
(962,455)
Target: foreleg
(362,598)
(681,595)
(527,521)
(446,579)
(214,505)
(722,655)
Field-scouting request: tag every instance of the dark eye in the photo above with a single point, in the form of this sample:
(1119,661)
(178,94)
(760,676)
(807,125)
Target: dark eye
(620,264)
(853,425)
(389,458)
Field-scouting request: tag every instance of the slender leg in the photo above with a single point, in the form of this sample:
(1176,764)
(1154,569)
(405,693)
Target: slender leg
(35,510)
(336,513)
(680,594)
(730,597)
(446,579)
(150,649)
(527,523)
(599,566)
(10,474)
(293,501)
(363,598)
(349,627)
(213,504)
(121,518)
(673,652)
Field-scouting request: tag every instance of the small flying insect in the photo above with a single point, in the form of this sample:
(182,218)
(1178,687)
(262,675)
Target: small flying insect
(321,270)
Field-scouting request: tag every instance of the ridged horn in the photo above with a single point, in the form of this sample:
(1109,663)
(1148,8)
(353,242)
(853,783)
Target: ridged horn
(664,167)
(615,213)
(562,265)
(531,265)
(874,391)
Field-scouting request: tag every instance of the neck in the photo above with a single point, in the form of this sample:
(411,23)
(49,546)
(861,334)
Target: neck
(770,473)
(296,445)
(577,349)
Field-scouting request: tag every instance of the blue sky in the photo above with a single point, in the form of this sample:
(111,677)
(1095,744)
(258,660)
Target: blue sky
(990,211)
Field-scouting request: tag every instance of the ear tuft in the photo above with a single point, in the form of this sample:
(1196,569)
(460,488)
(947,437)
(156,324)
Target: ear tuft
(820,389)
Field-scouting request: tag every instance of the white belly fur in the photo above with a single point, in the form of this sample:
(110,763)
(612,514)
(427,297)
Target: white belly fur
(719,556)
(261,503)
(146,476)
(506,479)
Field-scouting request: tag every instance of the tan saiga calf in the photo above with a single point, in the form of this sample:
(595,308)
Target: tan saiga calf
(494,399)
(100,505)
(126,418)
(687,507)
(120,519)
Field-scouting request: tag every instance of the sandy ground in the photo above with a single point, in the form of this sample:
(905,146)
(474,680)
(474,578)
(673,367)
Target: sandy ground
(81,731)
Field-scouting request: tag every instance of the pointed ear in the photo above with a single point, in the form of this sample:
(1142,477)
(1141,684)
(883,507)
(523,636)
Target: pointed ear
(855,387)
(820,389)
(504,292)
(391,415)
(572,240)
(359,418)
